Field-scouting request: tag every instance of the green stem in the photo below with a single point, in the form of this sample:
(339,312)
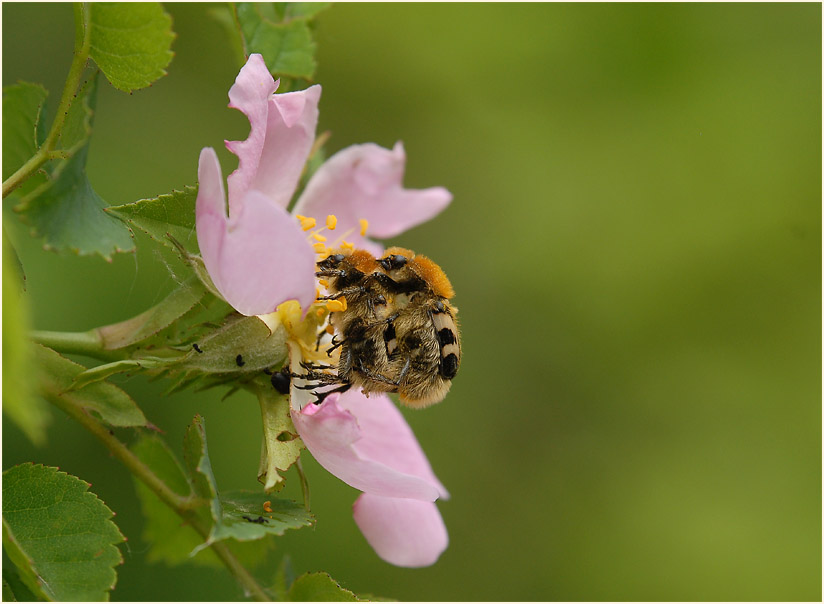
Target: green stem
(82,44)
(120,451)
(185,507)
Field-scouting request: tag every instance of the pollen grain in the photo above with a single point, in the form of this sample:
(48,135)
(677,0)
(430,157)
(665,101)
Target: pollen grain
(338,305)
(306,223)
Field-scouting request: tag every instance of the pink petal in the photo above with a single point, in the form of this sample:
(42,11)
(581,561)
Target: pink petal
(282,131)
(365,181)
(367,444)
(258,257)
(403,532)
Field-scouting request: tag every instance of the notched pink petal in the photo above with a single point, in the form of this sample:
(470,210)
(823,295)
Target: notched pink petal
(367,446)
(366,181)
(250,94)
(403,532)
(282,130)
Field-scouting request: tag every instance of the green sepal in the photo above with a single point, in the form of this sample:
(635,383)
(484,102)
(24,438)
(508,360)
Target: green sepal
(110,403)
(102,372)
(58,534)
(64,209)
(145,325)
(130,42)
(281,444)
(248,337)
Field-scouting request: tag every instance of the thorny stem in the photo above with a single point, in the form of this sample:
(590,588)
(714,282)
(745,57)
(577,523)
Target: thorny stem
(185,507)
(47,151)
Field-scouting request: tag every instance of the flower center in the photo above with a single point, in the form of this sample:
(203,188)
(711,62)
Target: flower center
(319,240)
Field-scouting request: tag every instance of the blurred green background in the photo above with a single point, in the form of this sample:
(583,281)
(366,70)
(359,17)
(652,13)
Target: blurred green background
(635,241)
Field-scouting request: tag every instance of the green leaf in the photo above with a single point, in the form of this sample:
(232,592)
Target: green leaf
(225,17)
(109,402)
(65,210)
(23,130)
(58,534)
(300,10)
(29,412)
(245,518)
(13,586)
(171,540)
(239,515)
(281,443)
(169,214)
(130,42)
(198,465)
(285,42)
(147,324)
(319,587)
(284,577)
(8,594)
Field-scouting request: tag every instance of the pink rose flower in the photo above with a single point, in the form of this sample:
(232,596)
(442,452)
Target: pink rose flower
(259,256)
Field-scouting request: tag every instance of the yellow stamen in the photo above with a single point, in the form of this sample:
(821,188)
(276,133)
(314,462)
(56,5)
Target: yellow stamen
(306,223)
(320,248)
(323,282)
(267,506)
(364,224)
(320,312)
(338,305)
(331,222)
(318,237)
(330,330)
(347,245)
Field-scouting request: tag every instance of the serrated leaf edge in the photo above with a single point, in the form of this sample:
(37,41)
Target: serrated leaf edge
(86,487)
